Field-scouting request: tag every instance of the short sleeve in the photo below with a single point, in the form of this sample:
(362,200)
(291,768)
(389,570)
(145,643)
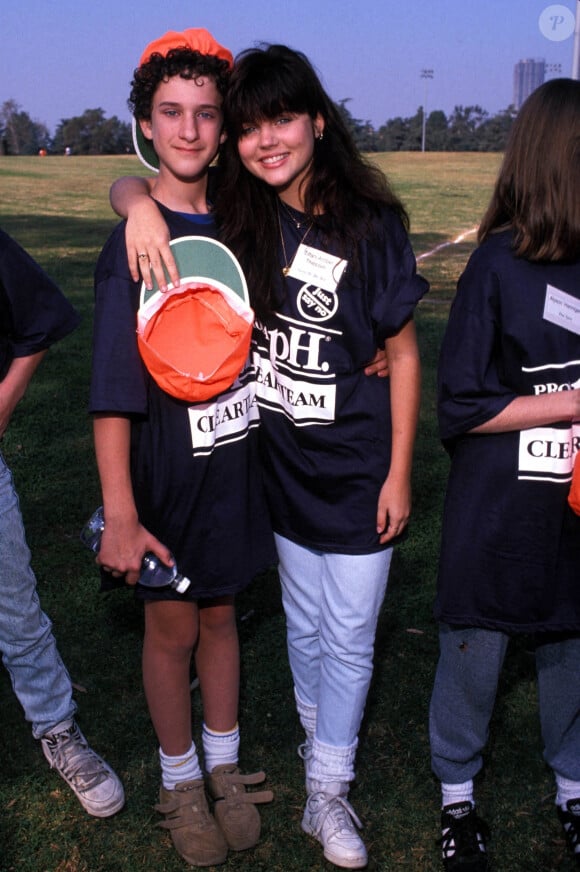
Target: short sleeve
(470,388)
(35,313)
(395,285)
(118,379)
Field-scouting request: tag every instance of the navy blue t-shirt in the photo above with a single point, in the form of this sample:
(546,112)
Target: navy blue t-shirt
(195,467)
(34,313)
(326,426)
(510,555)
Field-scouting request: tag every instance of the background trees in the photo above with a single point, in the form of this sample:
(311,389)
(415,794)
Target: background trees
(468,128)
(92,133)
(19,134)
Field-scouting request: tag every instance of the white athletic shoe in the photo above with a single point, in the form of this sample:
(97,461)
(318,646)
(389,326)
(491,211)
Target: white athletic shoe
(92,780)
(331,819)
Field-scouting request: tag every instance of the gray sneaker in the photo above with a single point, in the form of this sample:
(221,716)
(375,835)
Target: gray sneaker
(93,781)
(332,820)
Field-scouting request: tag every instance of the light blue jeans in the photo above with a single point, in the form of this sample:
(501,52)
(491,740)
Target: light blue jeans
(29,653)
(464,695)
(332,604)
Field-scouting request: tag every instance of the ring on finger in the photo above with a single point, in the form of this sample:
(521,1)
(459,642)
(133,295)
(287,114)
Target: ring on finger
(142,255)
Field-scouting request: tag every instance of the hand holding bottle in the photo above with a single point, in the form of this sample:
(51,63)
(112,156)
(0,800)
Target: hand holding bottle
(127,551)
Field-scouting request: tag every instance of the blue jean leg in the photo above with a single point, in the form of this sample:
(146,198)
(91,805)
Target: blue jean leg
(332,604)
(29,653)
(464,692)
(558,668)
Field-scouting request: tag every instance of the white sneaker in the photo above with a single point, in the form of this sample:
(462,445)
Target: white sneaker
(92,780)
(331,819)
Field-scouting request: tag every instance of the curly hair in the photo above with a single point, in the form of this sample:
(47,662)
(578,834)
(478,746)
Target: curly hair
(181,62)
(537,192)
(342,186)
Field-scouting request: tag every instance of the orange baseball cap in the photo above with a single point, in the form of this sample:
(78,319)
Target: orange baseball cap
(195,339)
(195,38)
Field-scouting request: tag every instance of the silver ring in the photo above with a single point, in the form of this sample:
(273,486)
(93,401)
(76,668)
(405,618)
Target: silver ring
(142,255)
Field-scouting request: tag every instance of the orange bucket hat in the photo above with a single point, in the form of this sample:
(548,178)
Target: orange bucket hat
(194,339)
(195,39)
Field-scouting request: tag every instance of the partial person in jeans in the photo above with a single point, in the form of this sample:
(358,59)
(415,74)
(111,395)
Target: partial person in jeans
(33,315)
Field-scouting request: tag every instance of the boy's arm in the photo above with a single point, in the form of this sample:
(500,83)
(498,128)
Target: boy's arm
(146,235)
(394,505)
(13,385)
(125,541)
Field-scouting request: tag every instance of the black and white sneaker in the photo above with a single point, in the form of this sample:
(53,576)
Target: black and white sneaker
(570,820)
(463,837)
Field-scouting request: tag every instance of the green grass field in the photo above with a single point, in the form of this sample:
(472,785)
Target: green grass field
(58,209)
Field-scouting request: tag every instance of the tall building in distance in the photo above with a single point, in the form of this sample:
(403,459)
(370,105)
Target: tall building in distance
(528,75)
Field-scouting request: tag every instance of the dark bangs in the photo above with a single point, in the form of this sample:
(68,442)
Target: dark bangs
(266,83)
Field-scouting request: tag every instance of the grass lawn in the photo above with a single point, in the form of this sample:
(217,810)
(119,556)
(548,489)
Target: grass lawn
(58,209)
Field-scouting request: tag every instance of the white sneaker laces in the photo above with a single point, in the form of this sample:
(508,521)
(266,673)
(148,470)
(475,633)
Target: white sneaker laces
(71,755)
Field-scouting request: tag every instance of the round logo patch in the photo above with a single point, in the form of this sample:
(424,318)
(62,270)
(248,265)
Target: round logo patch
(316,304)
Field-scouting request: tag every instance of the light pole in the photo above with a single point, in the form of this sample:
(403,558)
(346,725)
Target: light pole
(428,74)
(576,57)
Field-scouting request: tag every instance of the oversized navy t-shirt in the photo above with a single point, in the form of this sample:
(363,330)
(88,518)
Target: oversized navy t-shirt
(326,426)
(195,467)
(34,313)
(510,555)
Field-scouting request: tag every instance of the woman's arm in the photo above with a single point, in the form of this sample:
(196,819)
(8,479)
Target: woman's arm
(394,505)
(125,541)
(147,236)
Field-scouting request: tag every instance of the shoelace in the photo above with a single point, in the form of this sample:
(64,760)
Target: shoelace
(464,835)
(338,809)
(72,756)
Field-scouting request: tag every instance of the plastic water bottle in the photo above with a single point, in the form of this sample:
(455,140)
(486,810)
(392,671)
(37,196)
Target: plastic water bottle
(154,573)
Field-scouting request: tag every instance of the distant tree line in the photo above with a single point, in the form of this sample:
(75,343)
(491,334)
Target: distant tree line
(468,128)
(89,133)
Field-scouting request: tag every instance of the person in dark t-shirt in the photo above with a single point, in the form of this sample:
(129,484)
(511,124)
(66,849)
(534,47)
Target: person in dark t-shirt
(34,314)
(181,478)
(509,414)
(331,274)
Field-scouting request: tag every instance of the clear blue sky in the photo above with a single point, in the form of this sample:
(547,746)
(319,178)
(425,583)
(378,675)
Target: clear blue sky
(59,58)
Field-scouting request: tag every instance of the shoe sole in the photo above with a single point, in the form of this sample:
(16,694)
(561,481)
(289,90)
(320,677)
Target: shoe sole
(104,812)
(344,863)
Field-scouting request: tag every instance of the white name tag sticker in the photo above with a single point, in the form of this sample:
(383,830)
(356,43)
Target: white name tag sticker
(317,267)
(562,309)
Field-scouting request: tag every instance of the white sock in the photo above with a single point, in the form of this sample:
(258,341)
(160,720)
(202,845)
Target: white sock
(307,714)
(451,793)
(184,767)
(566,790)
(220,748)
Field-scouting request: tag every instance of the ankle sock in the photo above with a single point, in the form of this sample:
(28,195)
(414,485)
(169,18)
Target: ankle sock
(566,790)
(220,748)
(451,793)
(184,767)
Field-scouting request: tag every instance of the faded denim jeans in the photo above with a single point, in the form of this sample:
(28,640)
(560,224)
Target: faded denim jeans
(29,653)
(332,604)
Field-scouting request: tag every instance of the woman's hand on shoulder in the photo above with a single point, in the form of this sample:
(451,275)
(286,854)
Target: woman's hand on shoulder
(146,235)
(148,250)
